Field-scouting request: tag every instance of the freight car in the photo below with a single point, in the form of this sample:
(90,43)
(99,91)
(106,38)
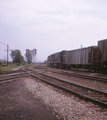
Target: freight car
(91,58)
(102,44)
(54,60)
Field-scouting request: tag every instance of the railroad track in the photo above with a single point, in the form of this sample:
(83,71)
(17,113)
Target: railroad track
(11,77)
(93,95)
(78,75)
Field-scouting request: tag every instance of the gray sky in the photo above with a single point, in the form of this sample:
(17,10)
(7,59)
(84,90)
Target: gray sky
(51,25)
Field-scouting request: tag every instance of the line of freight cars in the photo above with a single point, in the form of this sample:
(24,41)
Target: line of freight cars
(91,58)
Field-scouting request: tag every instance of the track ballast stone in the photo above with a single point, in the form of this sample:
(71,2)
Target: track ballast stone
(68,106)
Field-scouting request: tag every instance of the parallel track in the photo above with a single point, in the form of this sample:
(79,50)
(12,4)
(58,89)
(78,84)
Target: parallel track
(83,76)
(10,77)
(93,95)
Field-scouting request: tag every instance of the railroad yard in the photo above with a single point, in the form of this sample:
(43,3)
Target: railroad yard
(53,60)
(43,93)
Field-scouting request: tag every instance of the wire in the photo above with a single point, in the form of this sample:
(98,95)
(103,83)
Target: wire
(3,43)
(6,45)
(10,48)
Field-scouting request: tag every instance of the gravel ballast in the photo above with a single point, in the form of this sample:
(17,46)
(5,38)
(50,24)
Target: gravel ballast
(17,103)
(80,81)
(68,106)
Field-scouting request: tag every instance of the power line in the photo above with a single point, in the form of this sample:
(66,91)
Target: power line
(10,48)
(3,43)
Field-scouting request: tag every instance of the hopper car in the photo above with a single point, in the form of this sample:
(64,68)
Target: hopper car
(91,58)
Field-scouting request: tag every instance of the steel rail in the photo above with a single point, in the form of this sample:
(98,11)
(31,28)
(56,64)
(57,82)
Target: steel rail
(83,76)
(74,83)
(93,78)
(77,93)
(19,75)
(72,91)
(101,103)
(12,74)
(11,78)
(87,77)
(104,79)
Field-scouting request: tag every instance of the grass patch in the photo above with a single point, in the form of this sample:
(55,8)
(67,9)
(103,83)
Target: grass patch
(44,65)
(9,67)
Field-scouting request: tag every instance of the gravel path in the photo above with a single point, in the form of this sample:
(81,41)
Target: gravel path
(17,103)
(68,106)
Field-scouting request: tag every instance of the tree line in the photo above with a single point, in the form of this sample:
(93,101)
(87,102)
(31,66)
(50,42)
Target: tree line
(18,58)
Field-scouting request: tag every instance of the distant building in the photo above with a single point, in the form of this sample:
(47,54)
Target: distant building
(33,54)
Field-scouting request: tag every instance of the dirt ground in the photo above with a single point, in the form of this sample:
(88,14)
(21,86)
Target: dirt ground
(17,103)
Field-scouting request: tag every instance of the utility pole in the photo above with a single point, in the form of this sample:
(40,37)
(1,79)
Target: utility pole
(6,50)
(7,54)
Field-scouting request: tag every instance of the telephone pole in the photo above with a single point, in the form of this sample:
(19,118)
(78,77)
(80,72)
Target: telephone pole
(6,50)
(7,54)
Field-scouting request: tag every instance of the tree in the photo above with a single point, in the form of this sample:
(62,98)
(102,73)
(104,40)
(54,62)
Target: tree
(28,58)
(16,56)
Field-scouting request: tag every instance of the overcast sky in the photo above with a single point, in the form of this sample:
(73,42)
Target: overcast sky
(51,25)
